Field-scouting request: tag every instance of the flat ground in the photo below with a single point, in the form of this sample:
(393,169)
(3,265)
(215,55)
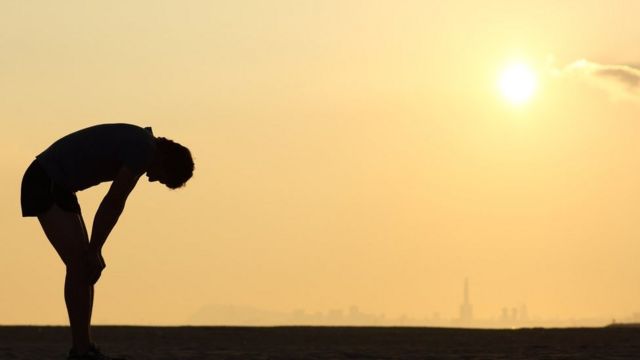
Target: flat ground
(160,343)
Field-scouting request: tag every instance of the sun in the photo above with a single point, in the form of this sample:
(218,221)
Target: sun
(518,83)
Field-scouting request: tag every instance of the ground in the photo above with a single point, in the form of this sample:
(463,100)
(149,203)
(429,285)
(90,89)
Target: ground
(185,343)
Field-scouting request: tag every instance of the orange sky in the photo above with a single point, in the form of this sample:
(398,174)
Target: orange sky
(347,153)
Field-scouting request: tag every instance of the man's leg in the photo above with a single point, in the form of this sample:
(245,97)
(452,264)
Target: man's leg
(92,288)
(66,232)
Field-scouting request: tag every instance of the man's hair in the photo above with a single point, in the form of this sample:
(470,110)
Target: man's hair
(176,161)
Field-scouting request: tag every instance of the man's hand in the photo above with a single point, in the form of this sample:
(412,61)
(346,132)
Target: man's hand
(95,265)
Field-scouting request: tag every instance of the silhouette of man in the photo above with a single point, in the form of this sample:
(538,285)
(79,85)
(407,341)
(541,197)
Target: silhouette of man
(120,153)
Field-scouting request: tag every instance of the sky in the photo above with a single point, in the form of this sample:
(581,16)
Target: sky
(347,153)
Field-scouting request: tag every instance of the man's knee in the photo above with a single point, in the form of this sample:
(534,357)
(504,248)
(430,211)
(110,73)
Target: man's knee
(77,267)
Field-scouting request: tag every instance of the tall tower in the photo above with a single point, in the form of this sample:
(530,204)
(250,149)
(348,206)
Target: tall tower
(466,310)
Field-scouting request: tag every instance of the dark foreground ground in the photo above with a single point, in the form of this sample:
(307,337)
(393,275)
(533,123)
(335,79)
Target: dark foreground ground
(142,343)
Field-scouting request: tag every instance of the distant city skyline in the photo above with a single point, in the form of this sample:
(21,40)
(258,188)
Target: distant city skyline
(504,317)
(352,316)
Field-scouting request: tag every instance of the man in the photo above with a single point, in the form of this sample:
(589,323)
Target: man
(120,153)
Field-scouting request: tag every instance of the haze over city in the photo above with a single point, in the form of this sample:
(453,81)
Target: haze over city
(359,156)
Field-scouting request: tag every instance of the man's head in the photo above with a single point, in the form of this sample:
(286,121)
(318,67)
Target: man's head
(172,165)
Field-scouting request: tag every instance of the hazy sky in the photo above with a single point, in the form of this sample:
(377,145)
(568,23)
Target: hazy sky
(347,153)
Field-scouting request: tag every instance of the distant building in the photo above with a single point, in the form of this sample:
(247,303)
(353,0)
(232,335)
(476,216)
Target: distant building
(505,314)
(466,310)
(524,313)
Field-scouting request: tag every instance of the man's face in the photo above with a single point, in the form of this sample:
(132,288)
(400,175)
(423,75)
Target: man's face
(151,177)
(155,174)
(155,171)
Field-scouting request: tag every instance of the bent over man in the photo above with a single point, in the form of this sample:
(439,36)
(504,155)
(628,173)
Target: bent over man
(120,153)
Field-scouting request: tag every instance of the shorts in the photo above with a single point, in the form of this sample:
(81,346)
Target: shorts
(39,193)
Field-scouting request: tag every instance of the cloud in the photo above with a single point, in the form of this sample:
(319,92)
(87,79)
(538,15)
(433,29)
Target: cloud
(625,75)
(620,81)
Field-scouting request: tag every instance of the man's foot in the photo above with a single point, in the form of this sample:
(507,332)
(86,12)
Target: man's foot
(92,354)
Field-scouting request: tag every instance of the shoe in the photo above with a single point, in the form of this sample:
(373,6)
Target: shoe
(92,354)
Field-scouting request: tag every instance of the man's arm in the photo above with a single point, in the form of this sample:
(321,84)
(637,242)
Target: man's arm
(111,207)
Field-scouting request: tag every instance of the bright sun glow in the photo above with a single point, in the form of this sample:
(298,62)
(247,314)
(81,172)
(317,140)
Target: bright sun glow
(518,83)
